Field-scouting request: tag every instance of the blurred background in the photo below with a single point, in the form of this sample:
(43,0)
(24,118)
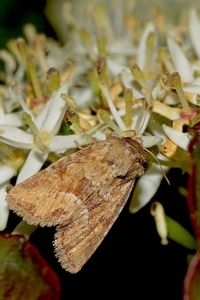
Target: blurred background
(14,14)
(130,263)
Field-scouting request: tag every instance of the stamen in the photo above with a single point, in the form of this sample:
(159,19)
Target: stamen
(176,82)
(102,71)
(31,70)
(37,135)
(139,77)
(128,97)
(30,33)
(101,44)
(40,52)
(53,80)
(28,121)
(113,110)
(8,59)
(149,52)
(22,48)
(172,113)
(105,117)
(158,213)
(85,36)
(69,100)
(14,49)
(163,55)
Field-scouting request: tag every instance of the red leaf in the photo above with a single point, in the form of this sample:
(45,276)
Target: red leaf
(24,272)
(192,279)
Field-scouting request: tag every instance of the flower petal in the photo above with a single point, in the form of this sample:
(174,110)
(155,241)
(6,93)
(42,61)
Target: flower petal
(194,30)
(32,165)
(83,96)
(4,210)
(6,173)
(40,118)
(99,135)
(150,140)
(15,137)
(114,66)
(12,119)
(193,89)
(55,113)
(142,48)
(147,186)
(180,61)
(179,138)
(62,143)
(113,109)
(141,119)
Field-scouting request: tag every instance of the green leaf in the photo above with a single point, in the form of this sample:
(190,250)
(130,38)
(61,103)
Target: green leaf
(179,234)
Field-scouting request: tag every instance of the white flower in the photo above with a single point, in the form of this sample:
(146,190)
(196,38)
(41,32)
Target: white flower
(163,83)
(148,184)
(6,173)
(39,142)
(43,138)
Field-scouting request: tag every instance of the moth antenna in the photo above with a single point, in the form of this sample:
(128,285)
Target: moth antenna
(155,158)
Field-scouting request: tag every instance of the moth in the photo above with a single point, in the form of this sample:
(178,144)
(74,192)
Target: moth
(82,195)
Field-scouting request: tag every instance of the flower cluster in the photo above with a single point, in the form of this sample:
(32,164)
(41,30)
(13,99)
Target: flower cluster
(113,72)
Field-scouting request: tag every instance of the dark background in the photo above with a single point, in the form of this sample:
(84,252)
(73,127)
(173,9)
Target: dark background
(15,13)
(130,263)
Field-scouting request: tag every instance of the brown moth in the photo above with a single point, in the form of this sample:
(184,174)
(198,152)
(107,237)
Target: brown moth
(82,195)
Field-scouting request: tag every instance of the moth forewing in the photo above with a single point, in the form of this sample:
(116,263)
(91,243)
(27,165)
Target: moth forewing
(75,243)
(82,194)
